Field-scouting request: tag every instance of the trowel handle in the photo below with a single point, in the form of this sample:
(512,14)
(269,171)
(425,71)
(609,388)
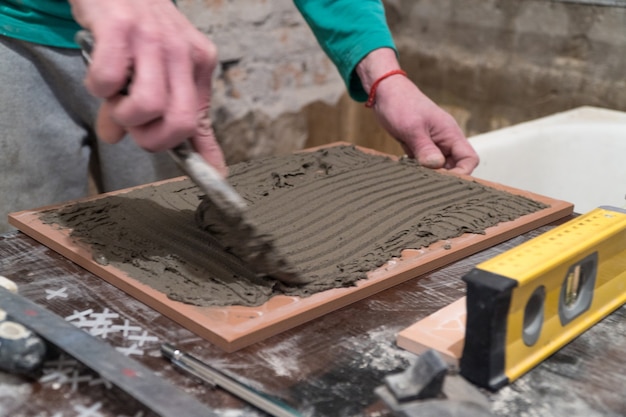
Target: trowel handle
(207,178)
(85,41)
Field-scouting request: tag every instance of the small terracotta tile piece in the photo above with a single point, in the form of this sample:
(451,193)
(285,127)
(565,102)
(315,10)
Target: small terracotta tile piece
(443,331)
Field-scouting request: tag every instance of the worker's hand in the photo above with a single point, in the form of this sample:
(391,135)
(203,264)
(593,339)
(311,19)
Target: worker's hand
(425,131)
(169,63)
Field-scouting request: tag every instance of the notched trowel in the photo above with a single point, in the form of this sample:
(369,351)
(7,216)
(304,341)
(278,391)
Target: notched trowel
(235,231)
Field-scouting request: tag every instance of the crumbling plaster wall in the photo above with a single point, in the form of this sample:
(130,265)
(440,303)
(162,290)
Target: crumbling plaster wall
(491,63)
(270,67)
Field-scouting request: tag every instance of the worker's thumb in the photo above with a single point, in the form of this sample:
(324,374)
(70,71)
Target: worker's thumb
(423,149)
(107,129)
(205,143)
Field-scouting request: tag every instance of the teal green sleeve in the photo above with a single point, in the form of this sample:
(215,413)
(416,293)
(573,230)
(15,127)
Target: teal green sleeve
(46,22)
(347,30)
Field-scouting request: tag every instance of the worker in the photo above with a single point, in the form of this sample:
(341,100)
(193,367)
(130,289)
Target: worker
(49,122)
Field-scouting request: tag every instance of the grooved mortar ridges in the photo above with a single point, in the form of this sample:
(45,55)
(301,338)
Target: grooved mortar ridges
(336,213)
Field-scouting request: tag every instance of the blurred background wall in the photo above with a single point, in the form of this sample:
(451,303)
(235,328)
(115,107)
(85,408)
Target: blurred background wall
(490,63)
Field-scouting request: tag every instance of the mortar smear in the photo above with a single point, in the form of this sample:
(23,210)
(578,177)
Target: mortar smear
(336,214)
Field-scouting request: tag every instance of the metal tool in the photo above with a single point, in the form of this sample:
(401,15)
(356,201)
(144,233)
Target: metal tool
(21,350)
(149,389)
(426,390)
(237,233)
(211,376)
(528,302)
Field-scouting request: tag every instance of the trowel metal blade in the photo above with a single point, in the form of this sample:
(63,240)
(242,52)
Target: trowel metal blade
(231,225)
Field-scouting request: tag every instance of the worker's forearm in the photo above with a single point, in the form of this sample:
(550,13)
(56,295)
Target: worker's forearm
(375,64)
(348,30)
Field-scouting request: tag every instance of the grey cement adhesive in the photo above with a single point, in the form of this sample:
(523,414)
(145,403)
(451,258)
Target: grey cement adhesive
(335,214)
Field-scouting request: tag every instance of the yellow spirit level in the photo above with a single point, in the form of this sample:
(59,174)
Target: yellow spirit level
(526,303)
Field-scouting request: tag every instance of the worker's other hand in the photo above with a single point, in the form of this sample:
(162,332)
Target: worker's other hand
(169,63)
(425,131)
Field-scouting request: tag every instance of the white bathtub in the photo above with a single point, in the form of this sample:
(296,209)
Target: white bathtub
(577,156)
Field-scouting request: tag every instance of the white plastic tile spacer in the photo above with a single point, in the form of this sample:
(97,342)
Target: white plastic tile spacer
(8,284)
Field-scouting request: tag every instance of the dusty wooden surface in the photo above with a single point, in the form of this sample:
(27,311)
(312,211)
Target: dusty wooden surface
(327,367)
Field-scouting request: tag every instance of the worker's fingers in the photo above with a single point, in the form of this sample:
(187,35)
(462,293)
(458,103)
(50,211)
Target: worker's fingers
(169,64)
(204,141)
(464,158)
(185,102)
(204,55)
(427,132)
(460,158)
(188,67)
(178,120)
(107,129)
(420,146)
(111,60)
(146,98)
(446,134)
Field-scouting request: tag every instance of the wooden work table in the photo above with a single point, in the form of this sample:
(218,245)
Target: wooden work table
(328,367)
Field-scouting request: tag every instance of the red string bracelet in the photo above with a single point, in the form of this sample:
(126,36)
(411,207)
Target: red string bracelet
(371,99)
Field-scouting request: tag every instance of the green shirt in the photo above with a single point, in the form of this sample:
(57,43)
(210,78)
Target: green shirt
(47,22)
(347,30)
